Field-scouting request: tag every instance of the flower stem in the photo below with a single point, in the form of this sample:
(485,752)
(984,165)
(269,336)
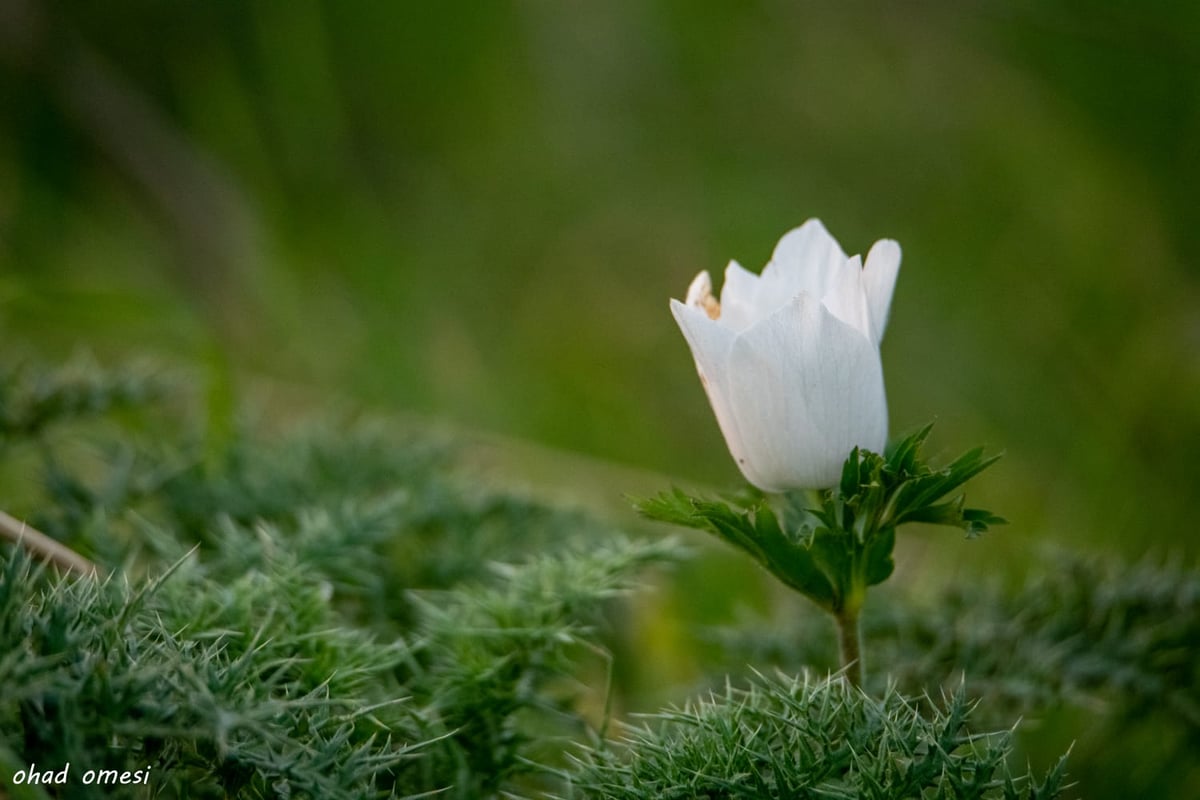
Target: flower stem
(850,644)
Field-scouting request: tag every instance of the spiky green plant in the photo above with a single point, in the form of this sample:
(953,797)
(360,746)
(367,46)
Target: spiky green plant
(794,739)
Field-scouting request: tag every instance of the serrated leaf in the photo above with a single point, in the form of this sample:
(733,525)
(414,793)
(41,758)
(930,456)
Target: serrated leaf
(792,561)
(969,465)
(878,557)
(736,530)
(901,456)
(982,516)
(948,513)
(673,506)
(831,555)
(755,530)
(850,474)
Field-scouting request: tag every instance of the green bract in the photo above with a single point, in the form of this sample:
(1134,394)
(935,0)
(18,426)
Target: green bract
(832,552)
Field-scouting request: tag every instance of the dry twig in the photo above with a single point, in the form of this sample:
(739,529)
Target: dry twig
(42,545)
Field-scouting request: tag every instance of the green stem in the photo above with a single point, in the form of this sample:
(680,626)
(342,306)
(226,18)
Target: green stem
(850,644)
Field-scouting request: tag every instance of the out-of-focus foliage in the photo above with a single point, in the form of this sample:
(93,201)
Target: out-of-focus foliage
(1078,631)
(480,212)
(325,617)
(255,685)
(285,626)
(31,400)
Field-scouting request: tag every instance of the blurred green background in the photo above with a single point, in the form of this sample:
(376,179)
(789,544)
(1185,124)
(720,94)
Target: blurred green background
(476,212)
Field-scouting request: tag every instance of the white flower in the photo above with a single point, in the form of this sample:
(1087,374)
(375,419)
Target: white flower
(790,359)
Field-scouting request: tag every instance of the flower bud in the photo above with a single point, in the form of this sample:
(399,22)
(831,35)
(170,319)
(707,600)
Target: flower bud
(790,358)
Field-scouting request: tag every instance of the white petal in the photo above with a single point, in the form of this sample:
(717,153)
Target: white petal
(879,282)
(846,298)
(805,260)
(739,297)
(711,343)
(805,388)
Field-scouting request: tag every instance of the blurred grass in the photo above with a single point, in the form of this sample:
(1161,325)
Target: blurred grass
(477,213)
(480,214)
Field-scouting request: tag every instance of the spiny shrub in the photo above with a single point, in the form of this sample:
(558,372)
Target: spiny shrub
(803,738)
(341,613)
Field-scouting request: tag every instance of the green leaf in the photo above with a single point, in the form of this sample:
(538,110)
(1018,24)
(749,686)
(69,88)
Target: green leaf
(753,528)
(948,513)
(878,557)
(850,474)
(831,553)
(978,520)
(845,543)
(735,529)
(902,455)
(673,506)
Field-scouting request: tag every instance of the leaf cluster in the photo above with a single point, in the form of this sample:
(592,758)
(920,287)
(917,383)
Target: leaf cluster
(832,551)
(808,738)
(877,492)
(797,556)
